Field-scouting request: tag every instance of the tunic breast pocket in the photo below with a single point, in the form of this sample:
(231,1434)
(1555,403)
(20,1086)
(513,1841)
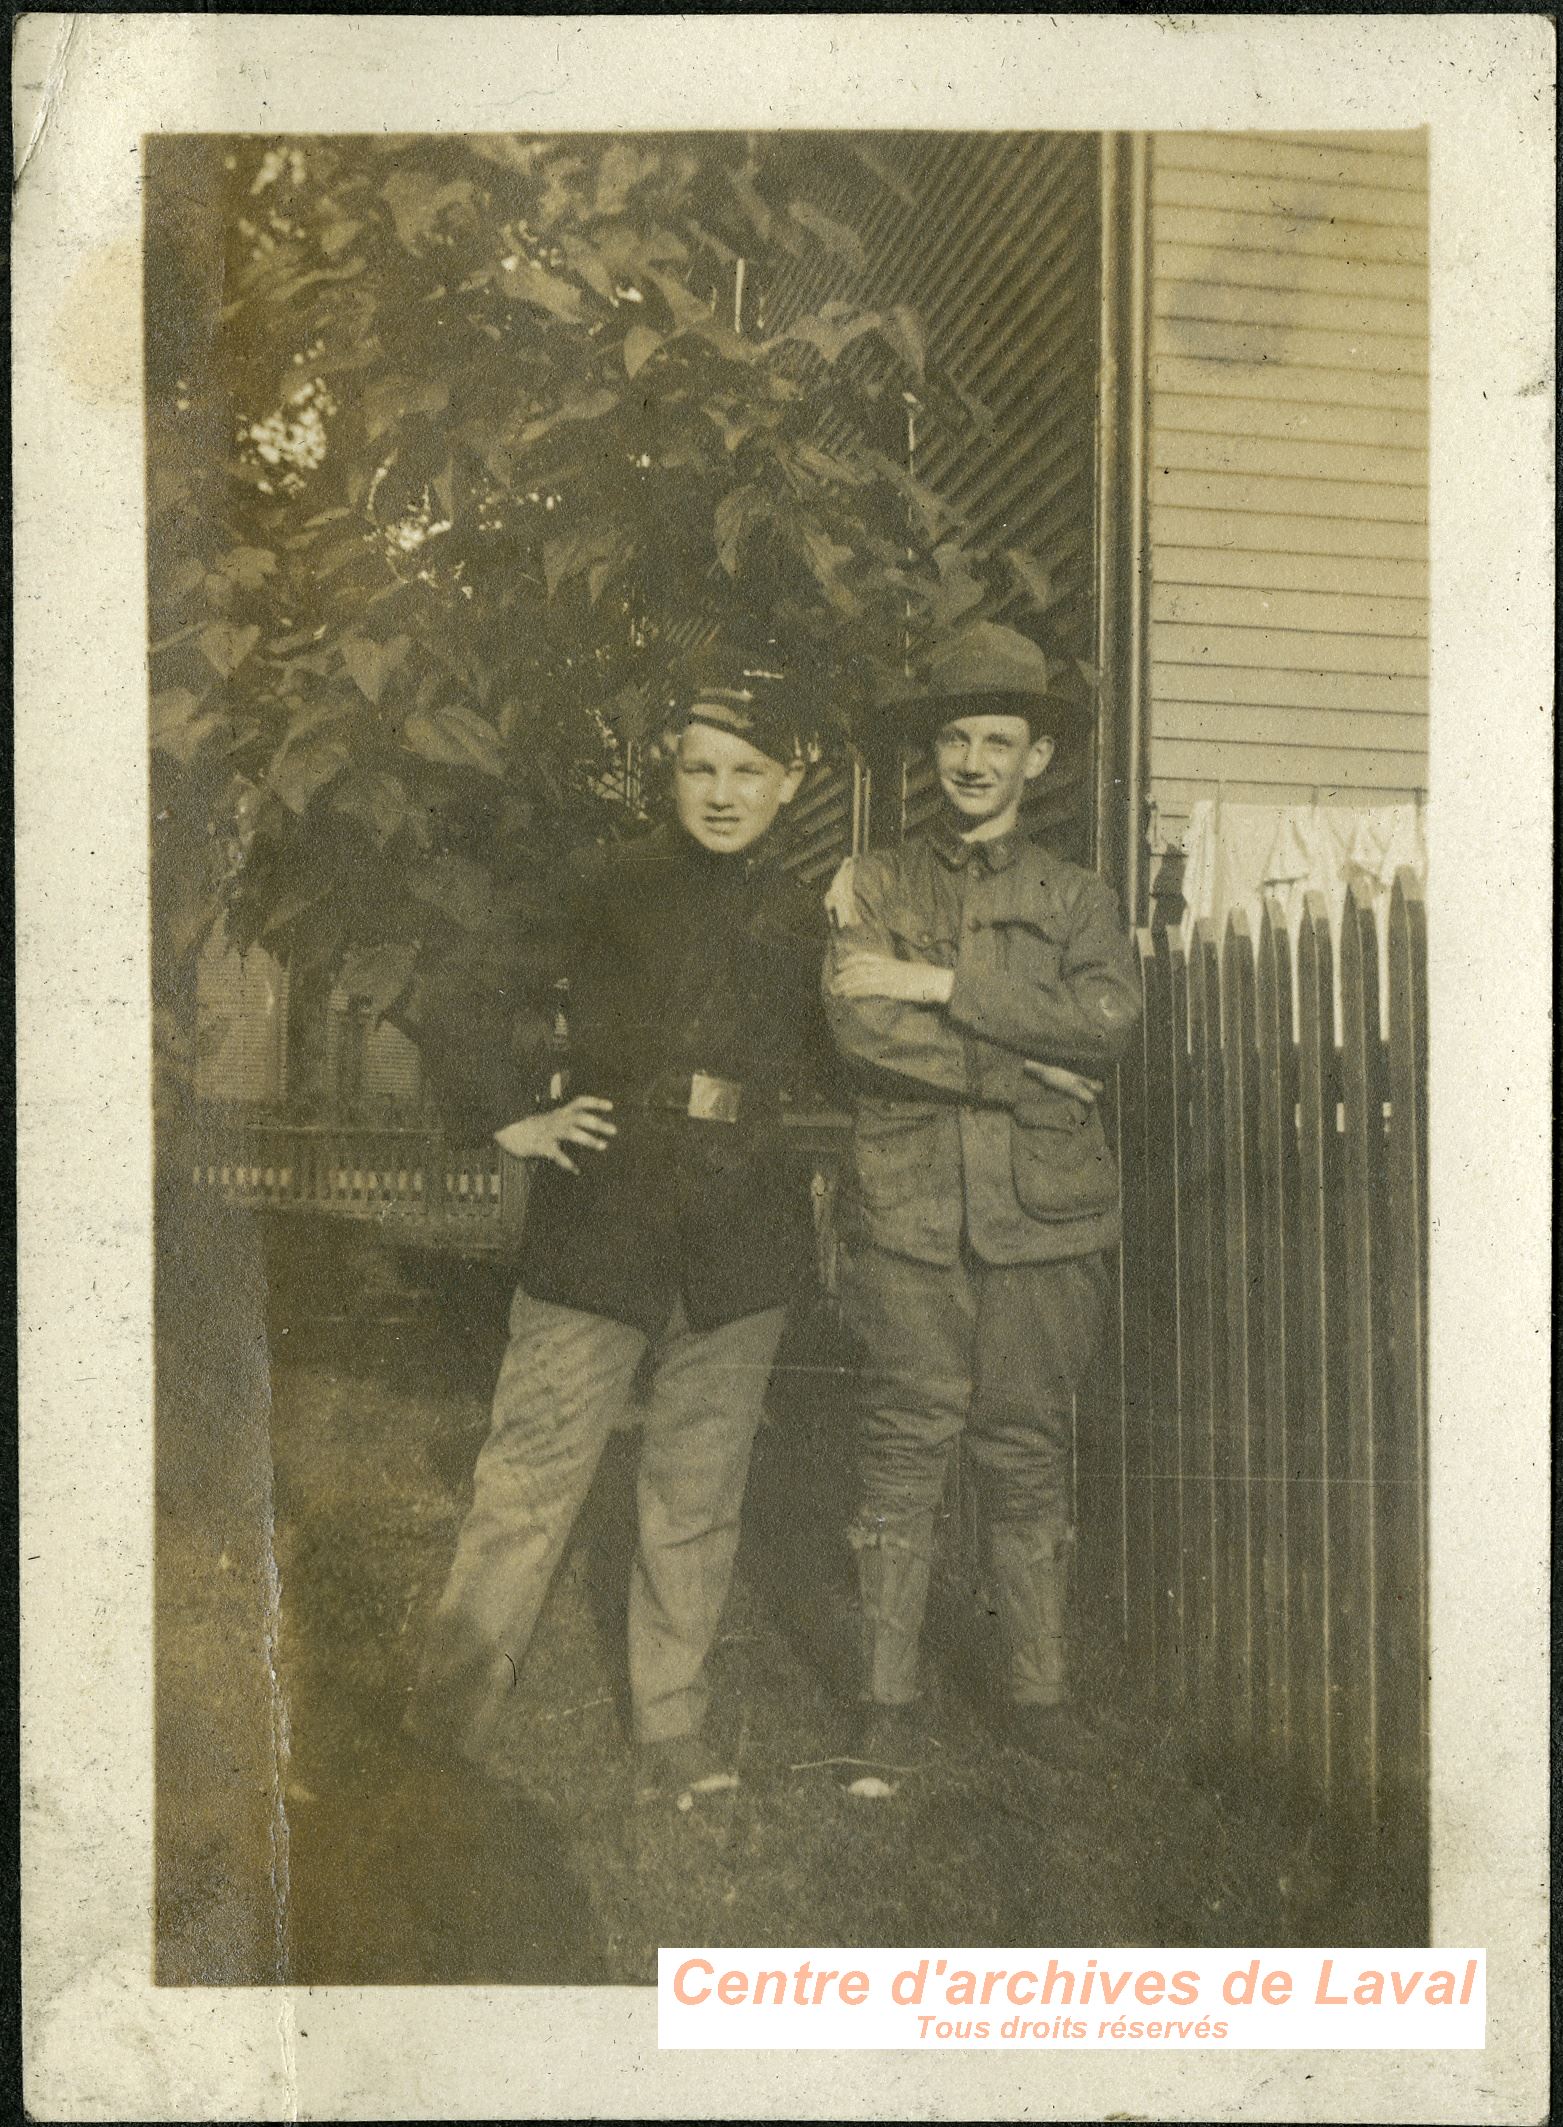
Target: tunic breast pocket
(934,942)
(1062,1167)
(1027,945)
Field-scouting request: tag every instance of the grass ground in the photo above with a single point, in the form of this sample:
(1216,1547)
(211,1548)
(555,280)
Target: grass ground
(294,1580)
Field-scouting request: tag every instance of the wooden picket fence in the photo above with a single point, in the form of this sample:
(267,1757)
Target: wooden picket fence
(1252,1461)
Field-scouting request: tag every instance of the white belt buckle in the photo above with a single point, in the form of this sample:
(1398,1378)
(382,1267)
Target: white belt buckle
(713,1100)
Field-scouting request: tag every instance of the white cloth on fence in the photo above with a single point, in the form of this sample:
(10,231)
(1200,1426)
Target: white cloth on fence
(1237,854)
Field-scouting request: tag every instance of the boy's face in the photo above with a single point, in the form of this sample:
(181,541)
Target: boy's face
(727,792)
(984,764)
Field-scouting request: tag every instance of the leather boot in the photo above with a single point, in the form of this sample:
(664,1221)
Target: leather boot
(1028,1565)
(894,1562)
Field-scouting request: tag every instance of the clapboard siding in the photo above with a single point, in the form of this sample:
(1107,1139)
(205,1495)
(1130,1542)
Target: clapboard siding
(1290,649)
(1258,687)
(1327,774)
(1288,469)
(1390,165)
(1298,200)
(1374,576)
(1199,450)
(1278,532)
(1387,428)
(1229,380)
(1345,728)
(1328,612)
(1284,236)
(1282,494)
(1305,272)
(1216,340)
(1246,302)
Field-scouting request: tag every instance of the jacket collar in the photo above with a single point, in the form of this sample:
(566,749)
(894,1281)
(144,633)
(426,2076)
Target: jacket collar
(998,854)
(668,840)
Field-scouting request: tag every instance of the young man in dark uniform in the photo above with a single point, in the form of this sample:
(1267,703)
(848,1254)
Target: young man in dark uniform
(976,986)
(664,1236)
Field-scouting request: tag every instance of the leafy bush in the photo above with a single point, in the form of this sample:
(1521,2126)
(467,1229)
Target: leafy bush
(462,451)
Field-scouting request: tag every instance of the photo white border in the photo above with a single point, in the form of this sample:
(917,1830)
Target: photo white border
(101,2042)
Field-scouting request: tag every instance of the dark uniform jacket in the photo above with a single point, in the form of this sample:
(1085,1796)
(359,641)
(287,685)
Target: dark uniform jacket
(951,1135)
(679,962)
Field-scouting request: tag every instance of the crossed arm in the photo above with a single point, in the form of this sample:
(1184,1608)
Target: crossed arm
(977,1031)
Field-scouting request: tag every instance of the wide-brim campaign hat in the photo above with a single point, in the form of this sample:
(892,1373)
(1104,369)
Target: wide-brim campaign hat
(1065,718)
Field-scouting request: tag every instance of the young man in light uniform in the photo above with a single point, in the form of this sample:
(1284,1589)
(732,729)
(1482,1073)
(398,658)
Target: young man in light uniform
(979,987)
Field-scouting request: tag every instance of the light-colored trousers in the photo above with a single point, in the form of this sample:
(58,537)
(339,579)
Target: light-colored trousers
(564,1386)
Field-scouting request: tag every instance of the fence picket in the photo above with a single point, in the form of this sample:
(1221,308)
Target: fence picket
(1277,1192)
(1205,1317)
(1355,1516)
(1165,1041)
(1313,1340)
(1140,1605)
(1243,1441)
(1402,1499)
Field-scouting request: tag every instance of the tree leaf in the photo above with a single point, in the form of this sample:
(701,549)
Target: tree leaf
(248,566)
(457,886)
(731,521)
(686,307)
(377,799)
(827,558)
(418,200)
(225,646)
(335,236)
(392,399)
(526,283)
(370,664)
(577,553)
(902,332)
(178,727)
(456,736)
(509,151)
(587,261)
(590,406)
(189,575)
(303,769)
(1033,577)
(872,158)
(837,238)
(958,589)
(830,336)
(828,465)
(640,344)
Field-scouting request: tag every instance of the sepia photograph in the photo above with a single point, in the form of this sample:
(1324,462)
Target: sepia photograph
(784,853)
(788,775)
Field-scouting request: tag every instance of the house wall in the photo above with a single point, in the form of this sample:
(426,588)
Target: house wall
(242,1024)
(1287,470)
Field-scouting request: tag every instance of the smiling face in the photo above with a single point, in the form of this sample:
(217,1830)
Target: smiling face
(727,792)
(984,765)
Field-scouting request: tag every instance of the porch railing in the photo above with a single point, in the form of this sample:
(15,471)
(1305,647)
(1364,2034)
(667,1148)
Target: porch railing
(405,1178)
